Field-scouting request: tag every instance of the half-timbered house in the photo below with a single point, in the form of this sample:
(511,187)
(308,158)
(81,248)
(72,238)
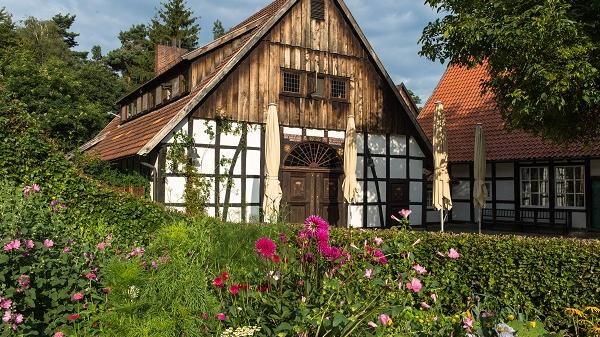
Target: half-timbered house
(311,59)
(533,185)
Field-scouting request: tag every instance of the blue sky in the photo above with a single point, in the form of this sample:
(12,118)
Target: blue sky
(392,26)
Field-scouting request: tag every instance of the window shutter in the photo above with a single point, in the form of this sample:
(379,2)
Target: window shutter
(317,9)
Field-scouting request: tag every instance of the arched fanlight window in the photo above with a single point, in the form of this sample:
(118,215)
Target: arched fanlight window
(314,155)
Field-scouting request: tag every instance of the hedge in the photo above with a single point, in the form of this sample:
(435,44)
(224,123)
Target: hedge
(543,275)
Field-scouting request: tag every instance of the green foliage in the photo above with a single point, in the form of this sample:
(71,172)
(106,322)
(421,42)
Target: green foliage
(64,23)
(102,171)
(218,29)
(542,57)
(135,58)
(175,25)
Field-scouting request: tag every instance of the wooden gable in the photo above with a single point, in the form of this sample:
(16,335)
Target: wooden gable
(330,47)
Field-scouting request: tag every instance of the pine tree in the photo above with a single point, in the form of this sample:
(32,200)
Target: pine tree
(97,53)
(64,23)
(175,25)
(218,29)
(135,58)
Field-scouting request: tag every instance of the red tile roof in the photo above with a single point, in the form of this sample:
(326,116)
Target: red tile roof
(465,106)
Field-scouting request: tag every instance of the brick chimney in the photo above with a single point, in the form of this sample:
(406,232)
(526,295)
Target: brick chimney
(165,55)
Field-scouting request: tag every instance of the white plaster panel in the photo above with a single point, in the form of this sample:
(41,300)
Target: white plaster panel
(380,168)
(397,168)
(416,218)
(228,154)
(373,220)
(415,149)
(236,191)
(377,144)
(234,214)
(416,192)
(505,170)
(505,190)
(211,191)
(205,160)
(336,134)
(355,216)
(398,145)
(169,165)
(315,133)
(253,162)
(232,138)
(595,168)
(461,211)
(579,220)
(174,187)
(210,211)
(360,191)
(460,171)
(292,131)
(360,168)
(182,126)
(253,214)
(416,169)
(461,190)
(360,143)
(201,134)
(253,190)
(372,191)
(254,135)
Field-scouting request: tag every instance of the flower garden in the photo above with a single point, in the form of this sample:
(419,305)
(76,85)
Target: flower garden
(201,277)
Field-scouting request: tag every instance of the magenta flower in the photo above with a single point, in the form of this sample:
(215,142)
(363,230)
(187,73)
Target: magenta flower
(35,187)
(24,281)
(29,244)
(5,303)
(385,320)
(138,251)
(101,245)
(419,269)
(66,249)
(369,273)
(414,285)
(221,316)
(7,317)
(453,254)
(308,257)
(468,323)
(91,276)
(265,247)
(378,241)
(77,297)
(380,257)
(13,245)
(59,334)
(405,213)
(18,318)
(48,243)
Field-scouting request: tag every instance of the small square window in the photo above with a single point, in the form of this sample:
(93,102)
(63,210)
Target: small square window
(339,89)
(291,82)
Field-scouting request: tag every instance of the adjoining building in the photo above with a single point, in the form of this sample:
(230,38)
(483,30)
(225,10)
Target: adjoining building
(311,59)
(532,184)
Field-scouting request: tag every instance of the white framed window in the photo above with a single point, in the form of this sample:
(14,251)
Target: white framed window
(570,186)
(534,187)
(429,196)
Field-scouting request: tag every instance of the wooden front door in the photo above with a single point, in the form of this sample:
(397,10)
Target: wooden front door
(595,203)
(312,184)
(397,199)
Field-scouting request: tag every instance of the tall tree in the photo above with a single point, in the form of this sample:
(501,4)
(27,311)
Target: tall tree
(175,24)
(7,31)
(96,53)
(64,23)
(543,57)
(218,29)
(135,58)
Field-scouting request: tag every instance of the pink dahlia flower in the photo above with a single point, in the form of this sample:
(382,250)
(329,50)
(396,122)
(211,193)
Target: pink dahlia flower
(419,269)
(453,254)
(218,282)
(234,289)
(265,247)
(414,285)
(77,297)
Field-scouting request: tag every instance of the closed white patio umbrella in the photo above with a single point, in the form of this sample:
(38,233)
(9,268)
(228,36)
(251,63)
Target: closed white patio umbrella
(350,158)
(479,164)
(273,193)
(442,199)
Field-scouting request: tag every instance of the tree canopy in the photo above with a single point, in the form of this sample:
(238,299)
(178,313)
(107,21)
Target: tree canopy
(175,25)
(543,58)
(218,29)
(135,58)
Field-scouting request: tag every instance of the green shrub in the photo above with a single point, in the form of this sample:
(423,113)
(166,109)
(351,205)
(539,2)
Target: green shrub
(104,172)
(27,157)
(536,275)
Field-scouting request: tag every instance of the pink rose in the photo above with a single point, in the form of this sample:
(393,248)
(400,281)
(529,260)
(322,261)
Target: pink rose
(414,285)
(77,297)
(453,254)
(419,269)
(48,243)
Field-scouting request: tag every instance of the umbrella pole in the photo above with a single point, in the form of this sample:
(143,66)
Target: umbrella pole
(442,219)
(480,218)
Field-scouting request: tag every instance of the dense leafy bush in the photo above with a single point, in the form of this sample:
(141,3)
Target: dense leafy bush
(104,172)
(543,275)
(27,157)
(49,280)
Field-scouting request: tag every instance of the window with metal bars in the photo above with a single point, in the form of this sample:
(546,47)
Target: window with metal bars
(339,88)
(317,9)
(291,82)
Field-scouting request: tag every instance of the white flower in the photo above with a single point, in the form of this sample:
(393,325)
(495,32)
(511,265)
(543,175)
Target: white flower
(504,330)
(241,332)
(274,275)
(133,292)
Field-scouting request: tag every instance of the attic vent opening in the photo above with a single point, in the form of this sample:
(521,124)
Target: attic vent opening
(317,9)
